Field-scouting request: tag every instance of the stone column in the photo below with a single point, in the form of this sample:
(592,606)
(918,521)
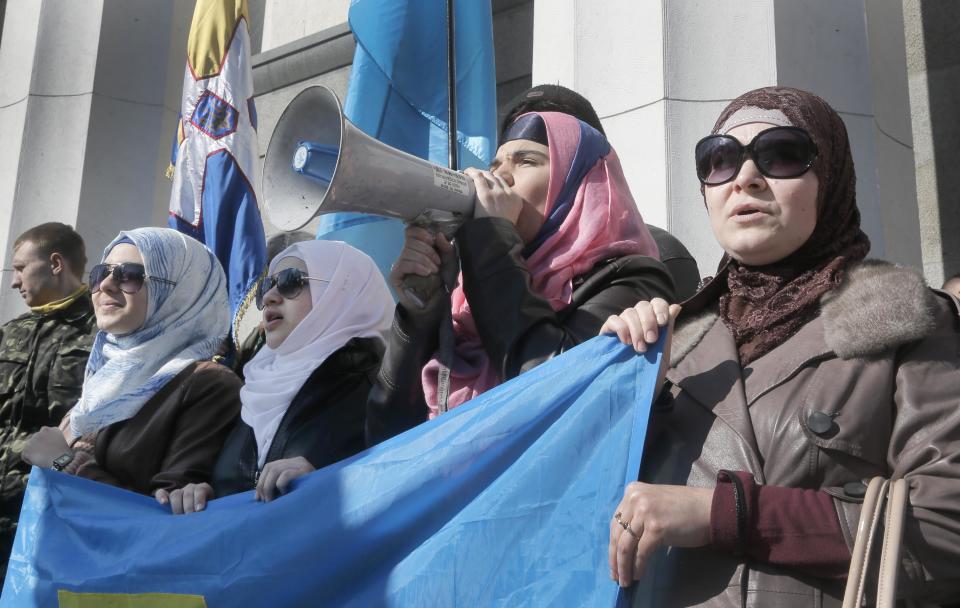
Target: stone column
(659,73)
(90,98)
(47,64)
(933,59)
(286,21)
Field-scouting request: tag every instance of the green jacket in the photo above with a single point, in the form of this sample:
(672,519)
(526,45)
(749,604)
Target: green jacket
(42,363)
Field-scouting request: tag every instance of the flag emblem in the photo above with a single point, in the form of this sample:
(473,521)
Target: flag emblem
(214,116)
(213,198)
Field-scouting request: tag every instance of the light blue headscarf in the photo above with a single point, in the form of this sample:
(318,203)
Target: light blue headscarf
(185,322)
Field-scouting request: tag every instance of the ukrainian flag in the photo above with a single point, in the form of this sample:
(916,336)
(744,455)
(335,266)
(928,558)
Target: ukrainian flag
(504,501)
(213,197)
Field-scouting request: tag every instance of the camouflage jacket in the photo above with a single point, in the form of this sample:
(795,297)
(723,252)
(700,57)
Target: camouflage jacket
(42,363)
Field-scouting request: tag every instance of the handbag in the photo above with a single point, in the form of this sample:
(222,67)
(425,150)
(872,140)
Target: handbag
(884,506)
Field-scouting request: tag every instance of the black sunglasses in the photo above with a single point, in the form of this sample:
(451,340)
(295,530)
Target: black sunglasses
(289,283)
(128,276)
(779,153)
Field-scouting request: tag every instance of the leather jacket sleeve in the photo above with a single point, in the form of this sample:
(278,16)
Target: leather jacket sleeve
(396,401)
(518,327)
(923,449)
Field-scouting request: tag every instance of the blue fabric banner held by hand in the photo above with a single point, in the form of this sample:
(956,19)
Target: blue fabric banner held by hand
(505,501)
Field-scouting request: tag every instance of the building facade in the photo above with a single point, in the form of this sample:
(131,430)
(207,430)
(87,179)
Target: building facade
(90,93)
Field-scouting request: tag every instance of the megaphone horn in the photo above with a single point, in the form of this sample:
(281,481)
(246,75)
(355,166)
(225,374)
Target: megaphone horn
(319,162)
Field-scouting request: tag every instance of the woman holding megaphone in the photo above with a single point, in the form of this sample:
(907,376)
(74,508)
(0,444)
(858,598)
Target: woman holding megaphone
(556,245)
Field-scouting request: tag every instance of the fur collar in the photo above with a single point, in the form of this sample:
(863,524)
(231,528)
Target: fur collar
(878,308)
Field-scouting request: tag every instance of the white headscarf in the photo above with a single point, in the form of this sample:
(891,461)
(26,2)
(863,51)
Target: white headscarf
(185,322)
(356,303)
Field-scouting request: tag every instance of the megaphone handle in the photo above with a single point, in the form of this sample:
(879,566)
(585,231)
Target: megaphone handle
(419,289)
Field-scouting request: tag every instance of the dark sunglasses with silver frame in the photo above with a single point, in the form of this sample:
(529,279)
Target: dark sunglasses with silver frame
(129,277)
(289,283)
(778,153)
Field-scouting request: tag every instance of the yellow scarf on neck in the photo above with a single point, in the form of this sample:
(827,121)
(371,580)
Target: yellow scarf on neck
(61,304)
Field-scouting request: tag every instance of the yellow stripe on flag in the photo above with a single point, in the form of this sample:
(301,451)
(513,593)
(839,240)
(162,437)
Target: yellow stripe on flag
(180,134)
(69,599)
(211,33)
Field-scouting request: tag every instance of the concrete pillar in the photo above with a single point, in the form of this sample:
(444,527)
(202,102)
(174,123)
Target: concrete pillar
(659,73)
(649,68)
(853,55)
(17,48)
(48,55)
(89,103)
(892,132)
(287,21)
(933,60)
(133,118)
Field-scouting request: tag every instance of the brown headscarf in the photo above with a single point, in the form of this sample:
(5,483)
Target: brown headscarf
(765,305)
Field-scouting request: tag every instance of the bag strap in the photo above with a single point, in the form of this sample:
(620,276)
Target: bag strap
(892,540)
(890,499)
(866,528)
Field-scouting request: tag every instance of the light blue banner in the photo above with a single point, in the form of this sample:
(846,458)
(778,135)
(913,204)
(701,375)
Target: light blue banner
(505,501)
(398,93)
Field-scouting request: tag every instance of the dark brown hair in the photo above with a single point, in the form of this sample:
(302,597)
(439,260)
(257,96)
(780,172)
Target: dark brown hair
(54,237)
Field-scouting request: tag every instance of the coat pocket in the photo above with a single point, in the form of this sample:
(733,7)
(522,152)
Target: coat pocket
(847,414)
(13,365)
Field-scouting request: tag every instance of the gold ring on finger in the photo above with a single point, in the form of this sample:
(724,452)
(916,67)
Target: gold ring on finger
(625,525)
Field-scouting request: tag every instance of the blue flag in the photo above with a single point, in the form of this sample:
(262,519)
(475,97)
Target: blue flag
(504,501)
(215,151)
(398,94)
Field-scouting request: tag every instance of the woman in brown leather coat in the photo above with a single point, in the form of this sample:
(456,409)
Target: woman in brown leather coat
(798,373)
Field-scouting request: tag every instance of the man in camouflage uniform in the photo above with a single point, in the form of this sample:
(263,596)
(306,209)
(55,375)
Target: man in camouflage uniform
(43,354)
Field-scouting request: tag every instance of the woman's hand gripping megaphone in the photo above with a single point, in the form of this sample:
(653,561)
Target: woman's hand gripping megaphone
(426,268)
(428,261)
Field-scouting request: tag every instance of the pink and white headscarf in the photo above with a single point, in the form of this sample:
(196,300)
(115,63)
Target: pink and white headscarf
(601,222)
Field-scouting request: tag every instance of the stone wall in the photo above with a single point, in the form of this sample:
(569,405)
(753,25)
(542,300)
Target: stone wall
(933,64)
(660,72)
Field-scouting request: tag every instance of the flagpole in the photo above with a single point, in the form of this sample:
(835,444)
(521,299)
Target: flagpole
(451,88)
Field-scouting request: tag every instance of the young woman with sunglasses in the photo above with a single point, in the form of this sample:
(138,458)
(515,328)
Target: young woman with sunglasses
(556,246)
(252,344)
(795,375)
(326,309)
(154,409)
